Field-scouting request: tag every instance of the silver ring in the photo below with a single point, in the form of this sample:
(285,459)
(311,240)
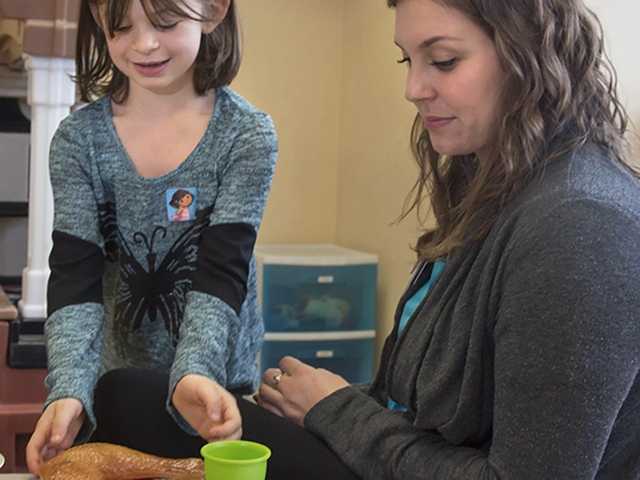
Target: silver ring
(276,378)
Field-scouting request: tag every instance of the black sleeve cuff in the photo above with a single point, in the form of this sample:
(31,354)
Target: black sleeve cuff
(76,267)
(224,255)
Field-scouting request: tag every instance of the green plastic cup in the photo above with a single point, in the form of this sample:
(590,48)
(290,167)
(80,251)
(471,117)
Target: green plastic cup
(235,460)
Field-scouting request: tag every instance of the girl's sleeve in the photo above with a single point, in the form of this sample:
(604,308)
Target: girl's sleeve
(212,319)
(74,296)
(566,358)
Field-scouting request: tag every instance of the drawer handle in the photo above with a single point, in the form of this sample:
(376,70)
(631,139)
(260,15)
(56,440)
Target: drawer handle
(325,279)
(324,354)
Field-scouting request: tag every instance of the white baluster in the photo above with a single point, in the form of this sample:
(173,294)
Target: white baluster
(51,94)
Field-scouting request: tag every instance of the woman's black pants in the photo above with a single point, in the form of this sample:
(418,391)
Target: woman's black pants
(130,411)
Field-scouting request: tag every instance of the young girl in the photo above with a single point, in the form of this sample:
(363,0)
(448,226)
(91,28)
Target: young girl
(131,285)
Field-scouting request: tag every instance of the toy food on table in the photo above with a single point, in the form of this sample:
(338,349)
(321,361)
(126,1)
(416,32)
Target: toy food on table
(104,461)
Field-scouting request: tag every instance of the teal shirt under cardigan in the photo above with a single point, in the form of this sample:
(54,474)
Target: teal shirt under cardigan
(410,307)
(138,282)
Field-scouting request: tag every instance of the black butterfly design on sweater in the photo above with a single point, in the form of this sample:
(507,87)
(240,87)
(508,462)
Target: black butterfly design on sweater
(156,290)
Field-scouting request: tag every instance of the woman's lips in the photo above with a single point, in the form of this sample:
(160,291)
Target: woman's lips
(151,69)
(433,123)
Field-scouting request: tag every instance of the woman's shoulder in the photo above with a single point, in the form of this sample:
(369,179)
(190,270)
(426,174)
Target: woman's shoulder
(590,174)
(585,192)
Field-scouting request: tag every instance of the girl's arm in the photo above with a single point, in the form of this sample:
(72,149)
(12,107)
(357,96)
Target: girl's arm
(210,333)
(566,359)
(74,295)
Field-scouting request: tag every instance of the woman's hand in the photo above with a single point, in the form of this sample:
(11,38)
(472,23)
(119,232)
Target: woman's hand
(55,431)
(294,388)
(209,408)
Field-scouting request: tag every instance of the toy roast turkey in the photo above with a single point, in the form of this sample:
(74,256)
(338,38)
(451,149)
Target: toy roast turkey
(104,461)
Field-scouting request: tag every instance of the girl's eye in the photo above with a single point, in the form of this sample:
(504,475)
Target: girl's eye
(122,29)
(445,65)
(167,27)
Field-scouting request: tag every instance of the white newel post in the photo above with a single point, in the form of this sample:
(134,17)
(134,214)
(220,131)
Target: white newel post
(51,94)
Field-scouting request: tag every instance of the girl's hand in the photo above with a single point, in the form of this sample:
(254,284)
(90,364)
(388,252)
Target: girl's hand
(55,431)
(210,409)
(294,388)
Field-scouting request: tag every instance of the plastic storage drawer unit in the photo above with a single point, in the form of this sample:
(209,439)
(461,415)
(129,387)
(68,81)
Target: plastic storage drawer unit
(351,358)
(319,305)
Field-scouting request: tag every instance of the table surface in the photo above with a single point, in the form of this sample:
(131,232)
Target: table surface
(16,476)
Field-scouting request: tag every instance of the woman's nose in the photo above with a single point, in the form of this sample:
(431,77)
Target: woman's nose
(419,85)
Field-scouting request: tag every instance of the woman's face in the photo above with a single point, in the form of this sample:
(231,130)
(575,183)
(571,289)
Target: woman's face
(454,77)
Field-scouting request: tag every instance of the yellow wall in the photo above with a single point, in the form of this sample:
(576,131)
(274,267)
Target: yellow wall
(292,69)
(619,20)
(376,169)
(326,72)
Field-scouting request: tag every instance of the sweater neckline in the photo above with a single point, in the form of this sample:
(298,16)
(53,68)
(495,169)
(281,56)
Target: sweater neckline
(184,164)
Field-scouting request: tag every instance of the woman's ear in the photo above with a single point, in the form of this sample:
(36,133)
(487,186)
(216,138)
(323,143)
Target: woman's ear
(216,12)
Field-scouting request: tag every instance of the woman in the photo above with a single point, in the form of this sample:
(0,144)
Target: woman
(514,353)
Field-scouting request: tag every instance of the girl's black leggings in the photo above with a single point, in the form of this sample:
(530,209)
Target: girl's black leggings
(130,411)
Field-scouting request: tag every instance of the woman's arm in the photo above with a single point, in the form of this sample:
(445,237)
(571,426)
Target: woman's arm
(566,356)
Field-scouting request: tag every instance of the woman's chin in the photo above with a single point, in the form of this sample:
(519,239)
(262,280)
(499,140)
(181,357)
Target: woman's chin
(450,150)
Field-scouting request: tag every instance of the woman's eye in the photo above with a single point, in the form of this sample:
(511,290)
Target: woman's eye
(122,29)
(446,64)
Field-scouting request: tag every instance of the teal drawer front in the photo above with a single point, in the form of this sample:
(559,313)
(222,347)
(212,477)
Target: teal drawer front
(319,298)
(352,359)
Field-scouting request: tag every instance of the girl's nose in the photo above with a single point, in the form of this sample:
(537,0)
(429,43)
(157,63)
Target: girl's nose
(419,85)
(146,41)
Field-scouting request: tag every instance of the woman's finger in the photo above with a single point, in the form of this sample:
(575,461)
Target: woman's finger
(271,408)
(292,366)
(270,394)
(271,376)
(271,399)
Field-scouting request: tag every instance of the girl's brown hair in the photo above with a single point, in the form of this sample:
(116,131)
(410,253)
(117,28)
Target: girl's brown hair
(560,94)
(216,65)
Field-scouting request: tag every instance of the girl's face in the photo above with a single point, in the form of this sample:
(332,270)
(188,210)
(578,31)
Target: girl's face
(159,58)
(454,78)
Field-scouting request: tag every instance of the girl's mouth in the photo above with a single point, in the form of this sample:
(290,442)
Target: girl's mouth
(151,69)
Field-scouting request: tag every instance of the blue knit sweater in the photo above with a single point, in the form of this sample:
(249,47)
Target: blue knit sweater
(156,272)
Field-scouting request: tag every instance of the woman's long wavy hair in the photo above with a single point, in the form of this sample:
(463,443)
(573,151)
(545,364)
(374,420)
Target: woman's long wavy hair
(216,65)
(560,94)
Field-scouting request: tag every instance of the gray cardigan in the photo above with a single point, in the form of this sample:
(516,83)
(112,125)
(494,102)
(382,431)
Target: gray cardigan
(523,361)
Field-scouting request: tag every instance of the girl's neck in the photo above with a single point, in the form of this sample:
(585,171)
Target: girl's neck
(144,104)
